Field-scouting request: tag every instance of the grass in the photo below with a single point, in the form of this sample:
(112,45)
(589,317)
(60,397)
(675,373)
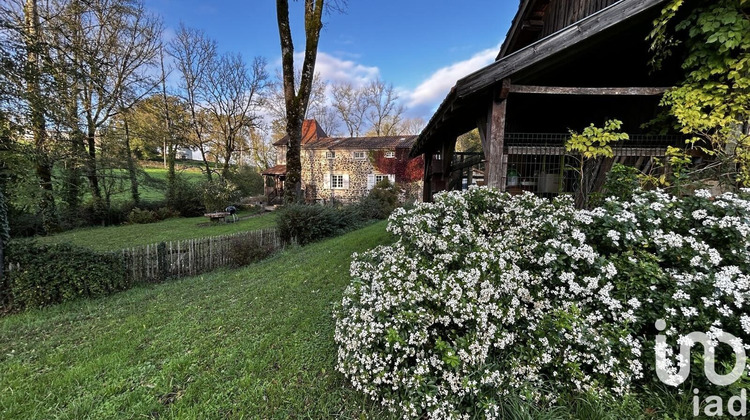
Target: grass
(112,238)
(152,185)
(250,343)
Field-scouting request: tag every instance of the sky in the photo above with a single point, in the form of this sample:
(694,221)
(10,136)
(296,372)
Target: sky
(422,47)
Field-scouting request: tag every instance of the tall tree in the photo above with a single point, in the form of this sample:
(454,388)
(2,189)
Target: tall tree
(234,97)
(194,55)
(351,105)
(119,42)
(385,111)
(297,99)
(38,124)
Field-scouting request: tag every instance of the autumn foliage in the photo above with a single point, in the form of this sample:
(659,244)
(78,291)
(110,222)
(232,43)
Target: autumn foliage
(406,170)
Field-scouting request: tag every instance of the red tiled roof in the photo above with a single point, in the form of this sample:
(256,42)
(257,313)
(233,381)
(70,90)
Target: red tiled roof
(276,170)
(313,137)
(386,142)
(311,131)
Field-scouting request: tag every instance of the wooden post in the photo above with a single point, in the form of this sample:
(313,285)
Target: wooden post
(496,138)
(427,178)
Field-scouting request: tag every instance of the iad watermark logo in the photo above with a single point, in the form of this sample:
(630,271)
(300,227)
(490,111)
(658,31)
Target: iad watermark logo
(675,375)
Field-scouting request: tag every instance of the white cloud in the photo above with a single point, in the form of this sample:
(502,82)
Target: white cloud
(333,69)
(430,92)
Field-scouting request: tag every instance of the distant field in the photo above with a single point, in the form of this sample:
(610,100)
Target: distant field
(153,186)
(114,238)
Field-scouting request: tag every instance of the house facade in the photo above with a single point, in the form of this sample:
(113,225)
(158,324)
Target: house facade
(347,168)
(565,64)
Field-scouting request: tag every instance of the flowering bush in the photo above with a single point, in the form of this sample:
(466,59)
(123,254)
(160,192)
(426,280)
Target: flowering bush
(486,296)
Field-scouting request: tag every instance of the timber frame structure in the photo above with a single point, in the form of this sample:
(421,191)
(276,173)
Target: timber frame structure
(564,65)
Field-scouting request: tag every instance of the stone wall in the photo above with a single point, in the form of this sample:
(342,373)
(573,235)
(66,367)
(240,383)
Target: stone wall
(316,167)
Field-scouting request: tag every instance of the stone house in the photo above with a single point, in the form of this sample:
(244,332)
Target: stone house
(346,168)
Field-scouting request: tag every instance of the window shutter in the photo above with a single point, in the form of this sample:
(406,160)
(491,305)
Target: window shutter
(370,181)
(392,179)
(346,181)
(327,181)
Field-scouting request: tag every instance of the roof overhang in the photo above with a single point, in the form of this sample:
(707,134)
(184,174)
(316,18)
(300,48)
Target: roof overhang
(453,114)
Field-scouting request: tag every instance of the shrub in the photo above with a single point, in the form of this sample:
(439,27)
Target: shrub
(621,182)
(247,180)
(380,202)
(487,297)
(218,194)
(164,213)
(247,249)
(50,274)
(141,216)
(185,198)
(308,223)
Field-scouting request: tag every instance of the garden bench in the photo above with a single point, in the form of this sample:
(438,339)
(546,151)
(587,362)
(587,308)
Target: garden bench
(219,215)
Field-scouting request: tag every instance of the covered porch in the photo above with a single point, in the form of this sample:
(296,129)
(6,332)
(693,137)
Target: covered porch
(525,105)
(274,178)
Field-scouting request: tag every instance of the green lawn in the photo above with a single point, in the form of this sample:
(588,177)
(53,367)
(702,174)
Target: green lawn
(250,343)
(153,185)
(114,238)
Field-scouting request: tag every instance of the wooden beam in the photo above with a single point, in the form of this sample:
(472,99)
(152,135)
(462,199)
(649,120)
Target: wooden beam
(533,24)
(604,91)
(505,89)
(496,137)
(616,14)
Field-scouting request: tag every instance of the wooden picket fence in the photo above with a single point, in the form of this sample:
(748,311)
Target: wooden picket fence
(174,259)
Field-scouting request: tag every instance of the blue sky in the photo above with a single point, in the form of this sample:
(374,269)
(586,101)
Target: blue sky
(420,46)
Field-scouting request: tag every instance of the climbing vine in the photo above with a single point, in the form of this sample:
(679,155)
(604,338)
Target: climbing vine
(712,103)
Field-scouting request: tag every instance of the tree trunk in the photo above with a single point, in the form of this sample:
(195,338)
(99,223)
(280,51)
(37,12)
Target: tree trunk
(91,172)
(4,238)
(131,165)
(293,181)
(171,175)
(206,164)
(297,101)
(36,116)
(225,169)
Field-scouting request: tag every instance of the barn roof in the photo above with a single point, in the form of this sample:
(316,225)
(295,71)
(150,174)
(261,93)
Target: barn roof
(457,113)
(383,142)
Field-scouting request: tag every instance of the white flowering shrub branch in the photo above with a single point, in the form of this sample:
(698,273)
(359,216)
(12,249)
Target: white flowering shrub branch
(485,295)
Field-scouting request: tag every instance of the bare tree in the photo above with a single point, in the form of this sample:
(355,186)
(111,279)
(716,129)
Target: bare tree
(234,97)
(260,148)
(119,43)
(412,126)
(318,109)
(194,55)
(351,105)
(385,111)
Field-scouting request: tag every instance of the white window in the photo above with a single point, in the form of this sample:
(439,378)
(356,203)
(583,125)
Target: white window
(390,154)
(373,179)
(336,181)
(330,155)
(359,155)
